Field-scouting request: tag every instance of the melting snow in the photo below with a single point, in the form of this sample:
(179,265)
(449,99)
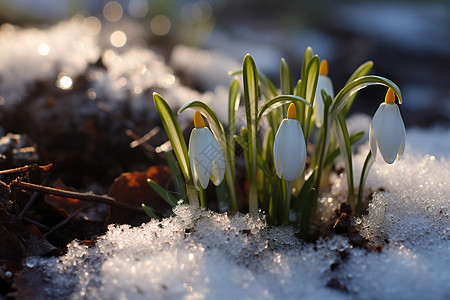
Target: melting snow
(204,255)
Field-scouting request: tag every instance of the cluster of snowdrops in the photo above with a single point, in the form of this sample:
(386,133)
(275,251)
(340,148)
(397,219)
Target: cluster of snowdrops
(281,183)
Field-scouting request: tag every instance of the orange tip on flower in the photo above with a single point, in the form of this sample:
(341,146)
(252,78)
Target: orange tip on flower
(390,96)
(323,70)
(198,120)
(292,112)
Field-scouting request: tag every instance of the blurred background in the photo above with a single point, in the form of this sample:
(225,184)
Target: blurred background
(409,41)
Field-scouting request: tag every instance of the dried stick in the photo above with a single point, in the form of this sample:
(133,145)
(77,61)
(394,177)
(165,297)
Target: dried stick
(76,195)
(25,169)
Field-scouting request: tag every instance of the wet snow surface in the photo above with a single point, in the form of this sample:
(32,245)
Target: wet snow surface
(205,255)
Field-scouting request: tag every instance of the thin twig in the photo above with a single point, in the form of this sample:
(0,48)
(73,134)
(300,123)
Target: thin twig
(76,195)
(25,169)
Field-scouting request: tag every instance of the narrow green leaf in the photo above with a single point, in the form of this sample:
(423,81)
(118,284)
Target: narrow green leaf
(346,153)
(362,70)
(268,89)
(250,78)
(174,134)
(306,58)
(364,173)
(300,108)
(163,193)
(285,78)
(149,212)
(335,153)
(233,105)
(347,91)
(276,102)
(176,175)
(312,77)
(309,87)
(213,120)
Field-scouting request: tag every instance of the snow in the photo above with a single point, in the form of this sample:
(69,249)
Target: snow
(30,54)
(205,255)
(71,48)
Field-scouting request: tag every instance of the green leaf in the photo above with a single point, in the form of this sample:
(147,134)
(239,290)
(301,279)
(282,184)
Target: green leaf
(285,78)
(346,153)
(268,89)
(213,120)
(362,70)
(276,102)
(250,78)
(364,173)
(177,179)
(233,105)
(306,58)
(308,89)
(163,193)
(332,156)
(149,212)
(347,91)
(174,134)
(312,77)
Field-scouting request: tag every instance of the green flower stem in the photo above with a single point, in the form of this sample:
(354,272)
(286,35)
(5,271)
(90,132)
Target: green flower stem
(365,171)
(288,203)
(192,194)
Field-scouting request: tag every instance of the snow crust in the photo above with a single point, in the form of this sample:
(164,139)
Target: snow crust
(204,255)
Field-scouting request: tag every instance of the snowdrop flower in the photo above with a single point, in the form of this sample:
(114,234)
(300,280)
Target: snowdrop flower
(387,131)
(323,83)
(205,155)
(289,148)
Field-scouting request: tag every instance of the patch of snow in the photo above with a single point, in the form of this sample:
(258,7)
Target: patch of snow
(31,54)
(204,255)
(207,68)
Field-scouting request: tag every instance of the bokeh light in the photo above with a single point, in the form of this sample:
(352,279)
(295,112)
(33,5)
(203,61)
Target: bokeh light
(64,82)
(112,11)
(138,8)
(160,25)
(43,49)
(92,25)
(118,39)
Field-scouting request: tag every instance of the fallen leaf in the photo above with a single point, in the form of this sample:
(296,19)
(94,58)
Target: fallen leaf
(132,188)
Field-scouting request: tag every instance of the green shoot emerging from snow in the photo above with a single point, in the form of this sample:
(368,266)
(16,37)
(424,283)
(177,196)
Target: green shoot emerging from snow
(281,181)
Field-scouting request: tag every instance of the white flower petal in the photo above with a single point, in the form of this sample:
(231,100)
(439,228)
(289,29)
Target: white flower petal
(276,157)
(200,158)
(323,83)
(372,137)
(389,132)
(218,161)
(191,151)
(289,150)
